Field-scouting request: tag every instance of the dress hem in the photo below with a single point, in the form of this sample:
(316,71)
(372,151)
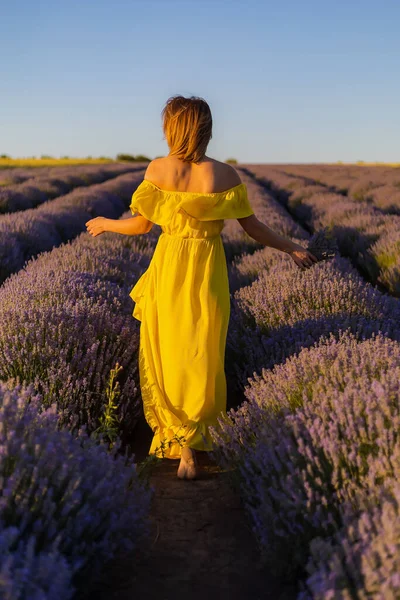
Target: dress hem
(198,438)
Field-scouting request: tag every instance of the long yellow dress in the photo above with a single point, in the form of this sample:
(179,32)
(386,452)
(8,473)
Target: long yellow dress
(183,303)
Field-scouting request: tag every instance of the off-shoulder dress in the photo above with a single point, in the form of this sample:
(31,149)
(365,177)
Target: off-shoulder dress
(183,303)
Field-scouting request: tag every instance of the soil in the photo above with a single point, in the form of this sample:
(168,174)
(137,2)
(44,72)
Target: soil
(201,543)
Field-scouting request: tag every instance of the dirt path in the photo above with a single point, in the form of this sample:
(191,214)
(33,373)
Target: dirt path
(201,544)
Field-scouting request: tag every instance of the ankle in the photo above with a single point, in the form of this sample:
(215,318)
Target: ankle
(187,453)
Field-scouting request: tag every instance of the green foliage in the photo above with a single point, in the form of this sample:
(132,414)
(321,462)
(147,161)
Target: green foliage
(109,425)
(5,156)
(131,158)
(164,444)
(47,156)
(109,421)
(144,468)
(231,161)
(385,260)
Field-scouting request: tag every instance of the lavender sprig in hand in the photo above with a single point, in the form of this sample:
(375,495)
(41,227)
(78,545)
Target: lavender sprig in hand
(323,244)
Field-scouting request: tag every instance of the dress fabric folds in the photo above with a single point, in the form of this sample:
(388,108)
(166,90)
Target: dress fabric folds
(182,301)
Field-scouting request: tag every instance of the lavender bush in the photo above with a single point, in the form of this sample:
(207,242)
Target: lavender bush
(286,309)
(356,225)
(318,436)
(386,253)
(268,210)
(28,574)
(66,320)
(68,503)
(38,187)
(387,198)
(361,560)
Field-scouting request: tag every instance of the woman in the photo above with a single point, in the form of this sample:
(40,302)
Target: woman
(183,300)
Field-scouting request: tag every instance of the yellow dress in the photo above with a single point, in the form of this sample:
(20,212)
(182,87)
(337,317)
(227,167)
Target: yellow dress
(183,303)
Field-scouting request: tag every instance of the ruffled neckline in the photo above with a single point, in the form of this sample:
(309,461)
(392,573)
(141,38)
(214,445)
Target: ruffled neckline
(210,194)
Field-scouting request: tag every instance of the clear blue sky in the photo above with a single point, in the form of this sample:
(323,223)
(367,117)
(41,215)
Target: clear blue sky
(287,81)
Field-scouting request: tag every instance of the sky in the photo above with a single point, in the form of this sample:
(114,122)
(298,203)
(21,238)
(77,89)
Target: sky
(286,81)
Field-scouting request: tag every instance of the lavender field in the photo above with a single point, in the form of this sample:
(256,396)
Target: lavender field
(312,361)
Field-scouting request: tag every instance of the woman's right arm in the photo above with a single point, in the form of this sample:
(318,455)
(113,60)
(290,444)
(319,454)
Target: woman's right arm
(137,225)
(265,235)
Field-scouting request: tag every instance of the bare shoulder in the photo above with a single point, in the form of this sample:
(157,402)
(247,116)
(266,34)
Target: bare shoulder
(153,168)
(225,174)
(167,171)
(232,175)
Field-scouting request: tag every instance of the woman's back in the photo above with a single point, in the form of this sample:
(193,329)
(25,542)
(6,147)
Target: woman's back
(209,176)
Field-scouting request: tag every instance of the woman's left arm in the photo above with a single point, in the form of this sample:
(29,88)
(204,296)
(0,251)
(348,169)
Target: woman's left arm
(132,226)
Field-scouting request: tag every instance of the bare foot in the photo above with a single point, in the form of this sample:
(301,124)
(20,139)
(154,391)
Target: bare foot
(188,467)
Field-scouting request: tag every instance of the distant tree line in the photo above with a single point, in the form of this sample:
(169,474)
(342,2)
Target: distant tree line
(122,156)
(131,158)
(141,158)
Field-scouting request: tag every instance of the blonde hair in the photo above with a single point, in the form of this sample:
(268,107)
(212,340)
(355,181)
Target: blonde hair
(187,126)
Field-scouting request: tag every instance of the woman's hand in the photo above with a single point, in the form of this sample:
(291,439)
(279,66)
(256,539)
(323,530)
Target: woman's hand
(302,257)
(97,226)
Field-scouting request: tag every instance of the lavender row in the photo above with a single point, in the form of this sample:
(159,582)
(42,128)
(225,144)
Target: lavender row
(241,444)
(349,179)
(40,188)
(302,317)
(318,452)
(287,309)
(68,503)
(377,238)
(363,556)
(365,234)
(14,175)
(268,210)
(380,188)
(66,319)
(24,235)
